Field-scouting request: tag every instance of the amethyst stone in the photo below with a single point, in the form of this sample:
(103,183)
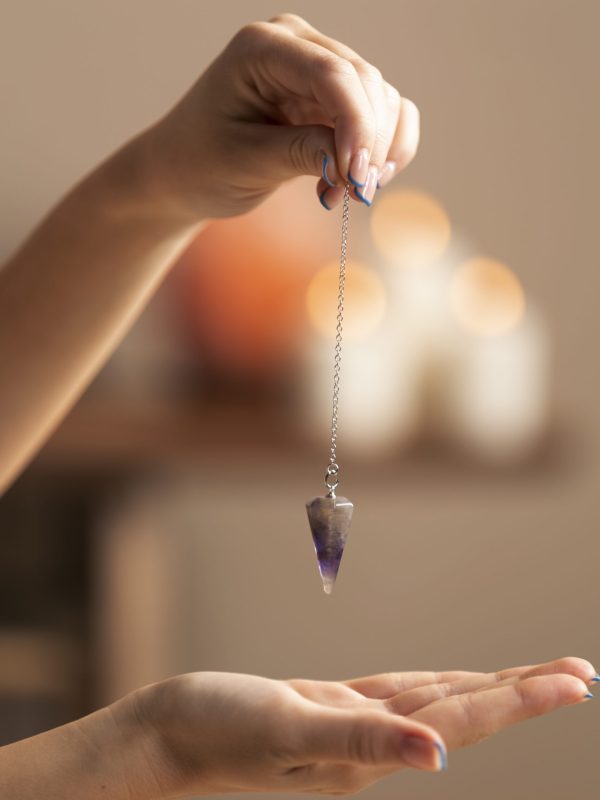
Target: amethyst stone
(329,518)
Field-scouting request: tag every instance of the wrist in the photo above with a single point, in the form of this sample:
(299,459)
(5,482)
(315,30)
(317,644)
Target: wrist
(127,761)
(138,185)
(168,181)
(106,754)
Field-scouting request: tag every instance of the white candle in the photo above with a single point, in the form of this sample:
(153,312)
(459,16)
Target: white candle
(497,399)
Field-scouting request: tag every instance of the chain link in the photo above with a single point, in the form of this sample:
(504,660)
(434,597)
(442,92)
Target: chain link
(333,470)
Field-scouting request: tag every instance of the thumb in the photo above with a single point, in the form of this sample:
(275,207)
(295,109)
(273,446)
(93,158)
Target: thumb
(370,737)
(287,151)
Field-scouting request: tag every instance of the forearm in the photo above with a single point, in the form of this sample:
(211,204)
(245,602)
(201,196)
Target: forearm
(69,294)
(104,755)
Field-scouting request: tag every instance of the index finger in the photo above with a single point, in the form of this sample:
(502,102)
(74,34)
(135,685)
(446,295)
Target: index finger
(279,63)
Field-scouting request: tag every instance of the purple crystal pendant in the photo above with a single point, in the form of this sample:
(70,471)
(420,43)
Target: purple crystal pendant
(329,518)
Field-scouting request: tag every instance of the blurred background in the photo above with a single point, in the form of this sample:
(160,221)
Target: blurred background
(162,529)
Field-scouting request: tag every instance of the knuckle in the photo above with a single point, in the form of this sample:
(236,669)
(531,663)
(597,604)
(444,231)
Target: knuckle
(301,154)
(367,71)
(340,72)
(393,97)
(289,20)
(335,66)
(361,745)
(525,696)
(394,683)
(252,32)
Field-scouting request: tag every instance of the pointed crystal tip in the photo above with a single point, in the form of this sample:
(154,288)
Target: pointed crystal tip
(329,519)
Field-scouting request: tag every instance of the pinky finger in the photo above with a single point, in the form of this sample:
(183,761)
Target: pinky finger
(404,144)
(329,196)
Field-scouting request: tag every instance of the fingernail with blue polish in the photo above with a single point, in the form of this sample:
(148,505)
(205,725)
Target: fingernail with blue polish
(596,678)
(324,173)
(362,198)
(443,757)
(359,168)
(422,754)
(322,199)
(367,194)
(588,696)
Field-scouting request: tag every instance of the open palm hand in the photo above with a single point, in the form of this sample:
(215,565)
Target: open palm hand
(221,732)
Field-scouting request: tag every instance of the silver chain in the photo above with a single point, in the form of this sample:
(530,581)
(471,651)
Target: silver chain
(333,471)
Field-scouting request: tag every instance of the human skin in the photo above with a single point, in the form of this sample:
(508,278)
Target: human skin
(213,733)
(281,100)
(278,99)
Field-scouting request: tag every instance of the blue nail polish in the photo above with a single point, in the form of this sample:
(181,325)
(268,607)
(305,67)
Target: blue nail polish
(324,174)
(443,758)
(596,678)
(588,696)
(361,198)
(353,182)
(322,199)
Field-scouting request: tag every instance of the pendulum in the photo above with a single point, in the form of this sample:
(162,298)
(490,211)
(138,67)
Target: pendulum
(329,516)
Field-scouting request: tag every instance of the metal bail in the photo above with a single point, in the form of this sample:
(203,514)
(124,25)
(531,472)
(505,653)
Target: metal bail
(332,478)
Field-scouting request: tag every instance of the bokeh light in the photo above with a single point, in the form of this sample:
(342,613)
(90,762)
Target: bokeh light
(241,283)
(486,298)
(410,228)
(365,301)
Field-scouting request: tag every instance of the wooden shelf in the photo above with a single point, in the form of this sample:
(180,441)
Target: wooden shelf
(107,436)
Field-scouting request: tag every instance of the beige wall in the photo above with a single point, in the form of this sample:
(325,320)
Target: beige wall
(469,570)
